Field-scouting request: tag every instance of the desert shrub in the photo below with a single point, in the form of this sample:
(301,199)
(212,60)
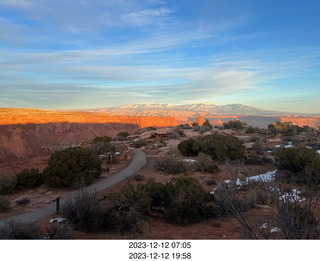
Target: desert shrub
(203,129)
(258,148)
(287,128)
(234,125)
(191,192)
(138,177)
(17,230)
(186,127)
(23,200)
(229,201)
(169,164)
(4,204)
(72,164)
(99,147)
(313,173)
(221,147)
(254,159)
(251,129)
(189,147)
(104,139)
(125,220)
(60,231)
(123,134)
(186,214)
(140,143)
(195,124)
(145,197)
(7,184)
(294,159)
(297,221)
(174,135)
(29,178)
(207,124)
(211,181)
(195,127)
(206,164)
(83,211)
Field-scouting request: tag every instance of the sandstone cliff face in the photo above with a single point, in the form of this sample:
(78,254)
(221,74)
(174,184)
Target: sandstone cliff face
(24,116)
(21,142)
(302,121)
(29,133)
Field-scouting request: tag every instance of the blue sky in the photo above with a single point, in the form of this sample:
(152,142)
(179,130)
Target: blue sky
(96,53)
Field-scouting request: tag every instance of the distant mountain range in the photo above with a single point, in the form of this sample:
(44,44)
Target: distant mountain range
(145,109)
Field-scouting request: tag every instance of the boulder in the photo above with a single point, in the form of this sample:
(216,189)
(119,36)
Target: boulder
(277,140)
(164,131)
(146,135)
(248,145)
(228,132)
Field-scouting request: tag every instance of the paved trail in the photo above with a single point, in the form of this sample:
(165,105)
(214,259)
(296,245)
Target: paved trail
(138,161)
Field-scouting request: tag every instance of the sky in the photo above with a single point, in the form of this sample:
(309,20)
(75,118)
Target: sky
(77,54)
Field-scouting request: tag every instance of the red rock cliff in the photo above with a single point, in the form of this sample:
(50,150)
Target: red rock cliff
(24,116)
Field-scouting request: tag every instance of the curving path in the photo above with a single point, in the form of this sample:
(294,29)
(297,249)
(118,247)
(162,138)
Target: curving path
(138,161)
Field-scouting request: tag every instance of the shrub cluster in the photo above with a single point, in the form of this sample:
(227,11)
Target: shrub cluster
(16,230)
(7,184)
(303,163)
(140,143)
(71,165)
(29,178)
(104,139)
(4,204)
(170,164)
(255,159)
(251,129)
(207,124)
(234,125)
(287,128)
(206,164)
(189,147)
(183,202)
(221,147)
(217,146)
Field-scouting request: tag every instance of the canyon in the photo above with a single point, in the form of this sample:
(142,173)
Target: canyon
(29,136)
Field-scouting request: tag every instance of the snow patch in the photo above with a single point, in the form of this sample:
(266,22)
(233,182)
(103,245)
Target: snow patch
(266,177)
(318,151)
(278,146)
(58,220)
(275,229)
(189,160)
(265,225)
(293,196)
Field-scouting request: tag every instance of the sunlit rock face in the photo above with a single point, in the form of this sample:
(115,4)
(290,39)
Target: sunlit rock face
(27,133)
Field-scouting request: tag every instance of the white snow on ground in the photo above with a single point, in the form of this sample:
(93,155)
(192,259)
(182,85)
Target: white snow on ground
(318,151)
(117,153)
(189,160)
(293,196)
(278,146)
(269,151)
(275,229)
(266,177)
(58,219)
(265,225)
